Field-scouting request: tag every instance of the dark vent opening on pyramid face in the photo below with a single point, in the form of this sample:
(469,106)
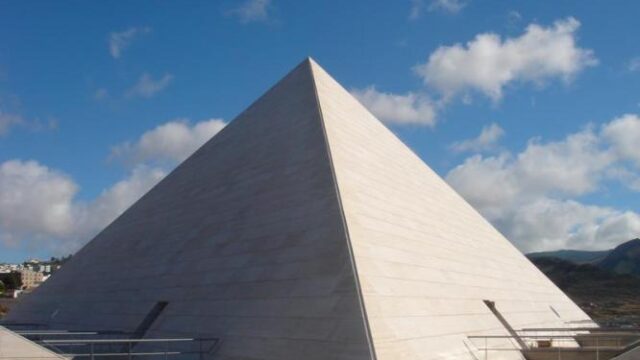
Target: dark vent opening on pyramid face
(555,312)
(492,306)
(148,320)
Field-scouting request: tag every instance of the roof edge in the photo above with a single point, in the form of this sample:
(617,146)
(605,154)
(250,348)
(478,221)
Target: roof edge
(311,65)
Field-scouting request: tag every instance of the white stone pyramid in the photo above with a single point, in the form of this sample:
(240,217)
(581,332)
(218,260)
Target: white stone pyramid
(304,230)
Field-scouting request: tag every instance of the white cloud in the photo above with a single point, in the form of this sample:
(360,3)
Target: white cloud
(624,135)
(170,142)
(119,41)
(116,199)
(251,11)
(550,224)
(452,6)
(488,63)
(91,217)
(634,64)
(410,108)
(147,86)
(531,196)
(7,121)
(34,201)
(39,206)
(573,166)
(486,140)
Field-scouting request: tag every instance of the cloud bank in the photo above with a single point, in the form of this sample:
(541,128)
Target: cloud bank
(488,63)
(409,108)
(532,196)
(171,142)
(40,207)
(486,140)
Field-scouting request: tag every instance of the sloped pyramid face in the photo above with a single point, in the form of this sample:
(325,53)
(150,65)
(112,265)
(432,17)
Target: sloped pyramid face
(304,230)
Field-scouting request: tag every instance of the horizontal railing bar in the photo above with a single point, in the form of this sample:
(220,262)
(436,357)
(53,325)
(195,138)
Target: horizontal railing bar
(56,333)
(522,337)
(95,341)
(588,349)
(620,334)
(595,336)
(553,349)
(127,354)
(582,329)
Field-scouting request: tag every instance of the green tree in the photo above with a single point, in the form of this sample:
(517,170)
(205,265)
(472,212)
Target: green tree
(11,280)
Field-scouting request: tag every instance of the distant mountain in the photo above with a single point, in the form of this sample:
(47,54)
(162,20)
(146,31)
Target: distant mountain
(605,284)
(574,256)
(607,297)
(624,259)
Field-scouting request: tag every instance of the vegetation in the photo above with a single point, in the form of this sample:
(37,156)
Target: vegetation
(624,259)
(604,289)
(11,281)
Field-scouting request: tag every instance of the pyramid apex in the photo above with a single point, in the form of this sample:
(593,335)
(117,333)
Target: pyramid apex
(310,66)
(310,61)
(314,67)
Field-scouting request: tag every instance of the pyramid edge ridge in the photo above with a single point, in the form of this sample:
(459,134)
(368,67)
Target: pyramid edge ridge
(365,318)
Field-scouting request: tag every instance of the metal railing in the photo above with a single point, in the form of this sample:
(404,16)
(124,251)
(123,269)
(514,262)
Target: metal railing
(23,325)
(95,345)
(180,348)
(599,346)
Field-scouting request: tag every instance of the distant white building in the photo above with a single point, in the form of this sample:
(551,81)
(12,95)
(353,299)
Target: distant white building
(7,268)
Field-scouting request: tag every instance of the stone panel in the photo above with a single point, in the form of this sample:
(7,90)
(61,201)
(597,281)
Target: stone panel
(244,240)
(426,259)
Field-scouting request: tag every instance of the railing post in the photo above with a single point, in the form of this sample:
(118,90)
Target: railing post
(597,348)
(200,344)
(129,352)
(166,350)
(91,351)
(486,351)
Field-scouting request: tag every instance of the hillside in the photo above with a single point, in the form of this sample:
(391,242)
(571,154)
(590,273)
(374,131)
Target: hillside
(606,296)
(575,256)
(624,259)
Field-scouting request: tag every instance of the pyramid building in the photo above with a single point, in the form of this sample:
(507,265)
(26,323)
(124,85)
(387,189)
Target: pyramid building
(304,230)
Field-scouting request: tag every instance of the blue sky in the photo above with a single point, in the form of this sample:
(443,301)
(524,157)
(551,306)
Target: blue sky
(529,109)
